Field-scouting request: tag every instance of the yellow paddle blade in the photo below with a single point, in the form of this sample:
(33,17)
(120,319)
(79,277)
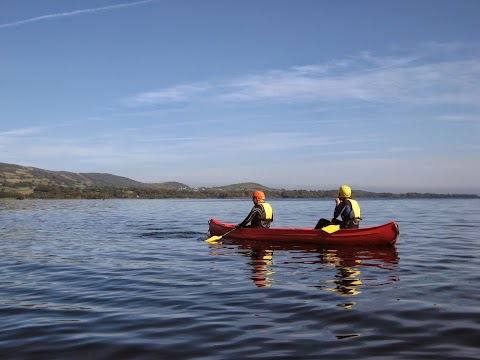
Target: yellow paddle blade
(212,239)
(331,228)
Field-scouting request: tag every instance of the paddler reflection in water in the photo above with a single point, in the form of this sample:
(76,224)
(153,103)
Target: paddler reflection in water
(261,262)
(345,207)
(261,214)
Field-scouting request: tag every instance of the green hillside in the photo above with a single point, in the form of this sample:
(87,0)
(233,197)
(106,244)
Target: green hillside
(20,182)
(30,176)
(248,186)
(170,185)
(101,179)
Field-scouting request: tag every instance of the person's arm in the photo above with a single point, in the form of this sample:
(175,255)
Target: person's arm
(339,209)
(249,217)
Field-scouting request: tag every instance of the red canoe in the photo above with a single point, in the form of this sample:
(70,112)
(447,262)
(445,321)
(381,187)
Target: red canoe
(382,235)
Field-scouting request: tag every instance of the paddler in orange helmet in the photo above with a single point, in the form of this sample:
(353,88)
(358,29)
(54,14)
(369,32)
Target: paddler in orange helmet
(261,214)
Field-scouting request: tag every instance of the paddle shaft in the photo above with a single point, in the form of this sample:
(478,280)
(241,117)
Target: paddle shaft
(228,232)
(216,238)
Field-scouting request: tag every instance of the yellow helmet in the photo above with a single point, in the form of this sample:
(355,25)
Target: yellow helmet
(344,191)
(259,195)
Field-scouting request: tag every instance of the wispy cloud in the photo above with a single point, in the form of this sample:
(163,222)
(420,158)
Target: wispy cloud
(279,141)
(435,47)
(22,131)
(405,149)
(72,13)
(420,78)
(460,118)
(50,152)
(17,140)
(169,139)
(441,82)
(174,94)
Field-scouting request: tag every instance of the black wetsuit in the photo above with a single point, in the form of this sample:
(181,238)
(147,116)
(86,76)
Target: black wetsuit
(257,218)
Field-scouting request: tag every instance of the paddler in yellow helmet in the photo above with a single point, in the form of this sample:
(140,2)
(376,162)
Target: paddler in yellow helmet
(347,208)
(261,214)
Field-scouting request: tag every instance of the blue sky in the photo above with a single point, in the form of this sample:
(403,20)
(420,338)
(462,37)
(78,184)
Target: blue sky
(312,94)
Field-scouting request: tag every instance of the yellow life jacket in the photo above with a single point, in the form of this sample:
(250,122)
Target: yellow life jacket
(267,210)
(355,208)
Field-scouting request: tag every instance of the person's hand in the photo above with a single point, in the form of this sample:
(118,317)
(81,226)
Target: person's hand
(337,201)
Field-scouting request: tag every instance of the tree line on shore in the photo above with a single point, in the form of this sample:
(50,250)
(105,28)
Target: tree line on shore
(107,192)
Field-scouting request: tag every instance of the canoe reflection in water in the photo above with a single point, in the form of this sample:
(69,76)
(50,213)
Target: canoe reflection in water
(270,263)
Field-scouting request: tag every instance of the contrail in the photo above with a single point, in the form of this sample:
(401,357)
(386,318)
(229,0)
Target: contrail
(72,13)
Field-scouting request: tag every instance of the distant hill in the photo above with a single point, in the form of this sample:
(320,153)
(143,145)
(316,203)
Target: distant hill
(30,176)
(27,175)
(170,185)
(14,174)
(248,186)
(18,181)
(99,179)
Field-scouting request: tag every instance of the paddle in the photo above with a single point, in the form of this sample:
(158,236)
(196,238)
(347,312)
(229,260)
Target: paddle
(214,238)
(331,228)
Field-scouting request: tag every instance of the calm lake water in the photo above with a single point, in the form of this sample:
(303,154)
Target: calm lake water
(133,279)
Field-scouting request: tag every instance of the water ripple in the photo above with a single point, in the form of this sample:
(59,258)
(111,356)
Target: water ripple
(127,279)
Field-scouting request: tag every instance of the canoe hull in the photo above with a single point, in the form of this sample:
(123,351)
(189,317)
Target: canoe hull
(382,235)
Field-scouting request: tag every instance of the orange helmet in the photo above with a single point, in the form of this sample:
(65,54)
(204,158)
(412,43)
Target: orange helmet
(259,195)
